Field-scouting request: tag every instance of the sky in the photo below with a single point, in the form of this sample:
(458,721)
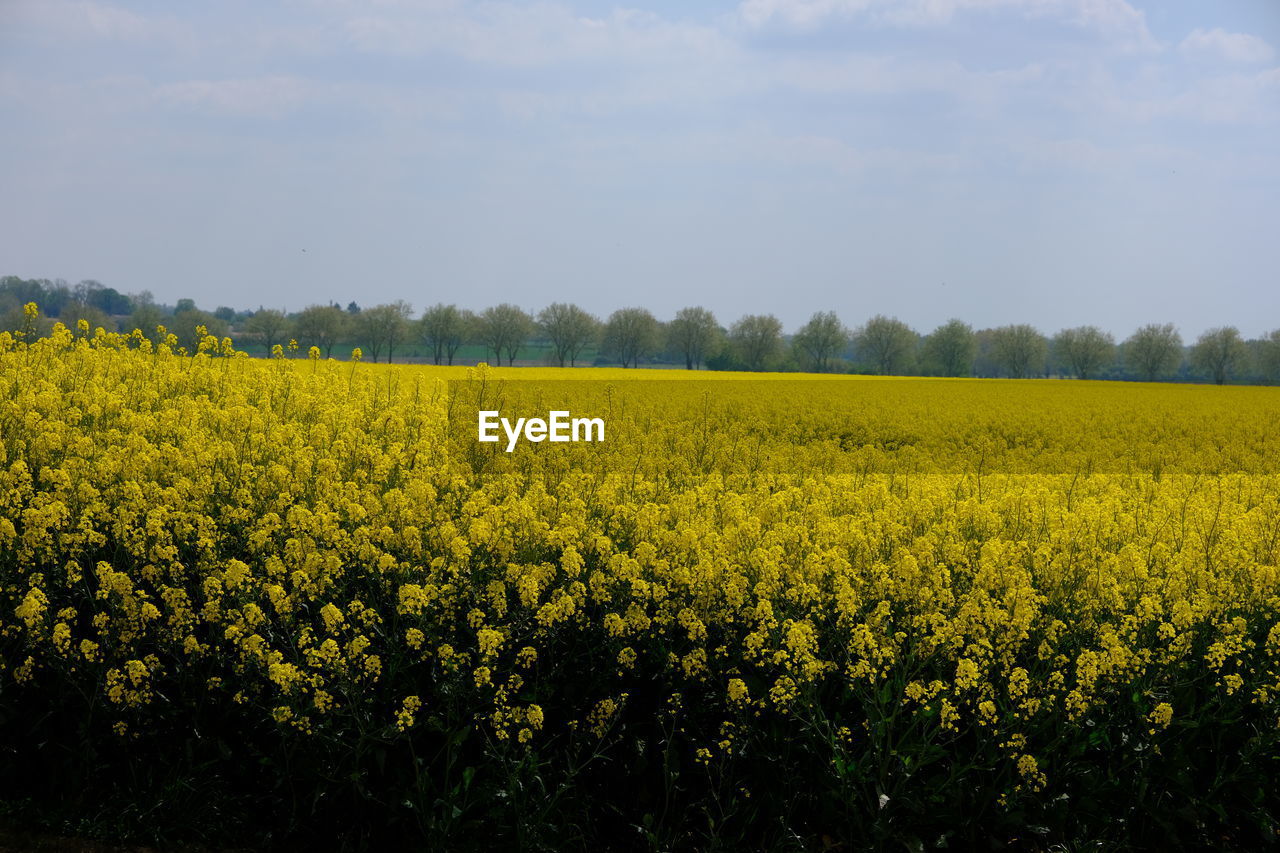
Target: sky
(1053,162)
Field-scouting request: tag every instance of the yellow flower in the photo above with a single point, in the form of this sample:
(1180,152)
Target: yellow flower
(490,641)
(332,617)
(1029,770)
(1161,715)
(408,708)
(1008,557)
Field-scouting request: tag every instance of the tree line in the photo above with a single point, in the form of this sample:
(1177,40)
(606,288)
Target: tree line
(567,335)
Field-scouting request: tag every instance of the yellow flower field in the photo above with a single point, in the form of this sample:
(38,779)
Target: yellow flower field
(952,609)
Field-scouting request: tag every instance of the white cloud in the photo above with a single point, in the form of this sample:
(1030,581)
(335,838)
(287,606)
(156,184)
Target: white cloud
(94,20)
(1114,19)
(886,75)
(529,35)
(260,96)
(1225,99)
(1084,155)
(1220,44)
(840,157)
(799,13)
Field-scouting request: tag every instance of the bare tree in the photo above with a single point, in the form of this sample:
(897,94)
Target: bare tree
(145,317)
(73,312)
(1219,353)
(951,348)
(821,339)
(756,338)
(185,324)
(570,329)
(1269,356)
(630,334)
(321,326)
(269,326)
(1084,350)
(384,326)
(886,343)
(692,333)
(469,329)
(443,328)
(26,326)
(504,329)
(1153,351)
(1020,350)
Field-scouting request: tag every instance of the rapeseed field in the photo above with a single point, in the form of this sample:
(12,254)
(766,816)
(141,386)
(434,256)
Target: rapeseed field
(256,601)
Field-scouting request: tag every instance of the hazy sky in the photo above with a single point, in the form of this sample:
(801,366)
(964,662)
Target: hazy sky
(1056,162)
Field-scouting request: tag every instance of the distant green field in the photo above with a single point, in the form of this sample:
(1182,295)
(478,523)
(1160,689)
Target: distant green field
(535,351)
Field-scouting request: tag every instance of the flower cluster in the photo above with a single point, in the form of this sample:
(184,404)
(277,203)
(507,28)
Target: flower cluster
(316,543)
